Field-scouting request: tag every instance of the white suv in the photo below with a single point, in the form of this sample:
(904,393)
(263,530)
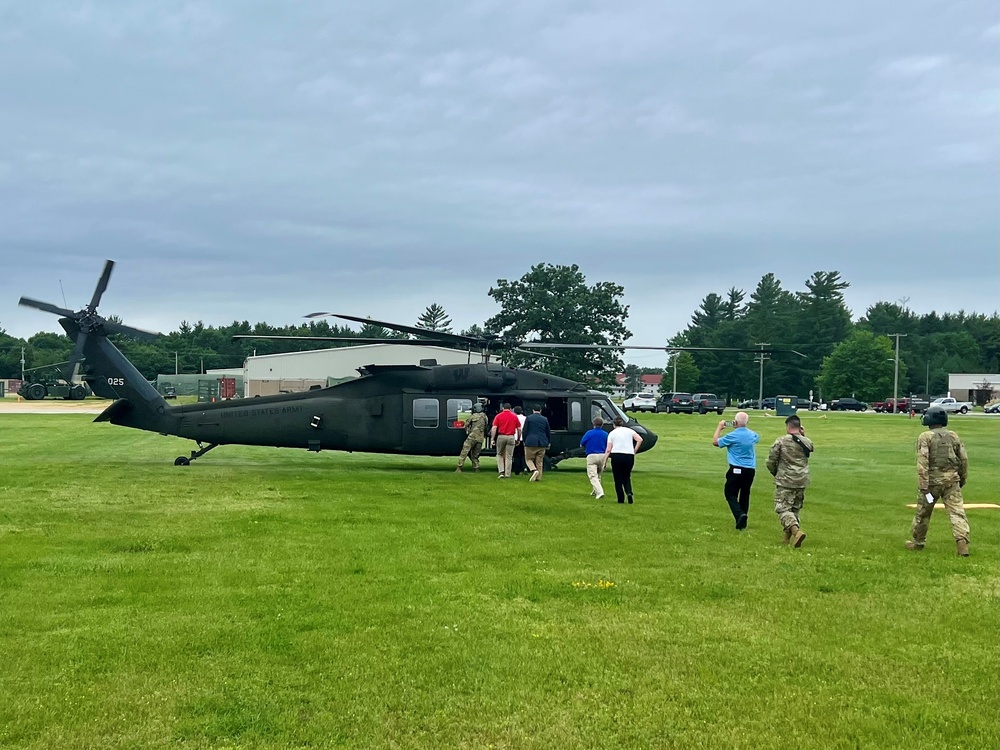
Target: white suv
(640,402)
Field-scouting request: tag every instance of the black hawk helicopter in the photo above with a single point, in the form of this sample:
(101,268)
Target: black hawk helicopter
(397,409)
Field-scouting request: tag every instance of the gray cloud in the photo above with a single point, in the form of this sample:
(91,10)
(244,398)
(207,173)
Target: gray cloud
(263,160)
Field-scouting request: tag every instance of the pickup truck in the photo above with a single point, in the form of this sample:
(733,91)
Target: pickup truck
(886,406)
(706,402)
(952,406)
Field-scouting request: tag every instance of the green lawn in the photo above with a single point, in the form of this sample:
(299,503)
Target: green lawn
(266,598)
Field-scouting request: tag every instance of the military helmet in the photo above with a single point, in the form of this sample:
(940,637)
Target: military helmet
(935,417)
(477,408)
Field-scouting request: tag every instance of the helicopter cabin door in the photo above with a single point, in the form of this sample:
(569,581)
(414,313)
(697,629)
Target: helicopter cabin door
(435,425)
(575,421)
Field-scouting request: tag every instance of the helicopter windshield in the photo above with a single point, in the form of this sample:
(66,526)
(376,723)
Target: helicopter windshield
(606,410)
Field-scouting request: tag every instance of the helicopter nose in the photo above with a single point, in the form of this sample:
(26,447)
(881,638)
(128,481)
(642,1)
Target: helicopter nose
(648,436)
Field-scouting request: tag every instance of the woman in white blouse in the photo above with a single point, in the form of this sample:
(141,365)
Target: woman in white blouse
(623,442)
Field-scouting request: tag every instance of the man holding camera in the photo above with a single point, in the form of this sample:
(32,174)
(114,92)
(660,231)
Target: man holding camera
(788,463)
(742,455)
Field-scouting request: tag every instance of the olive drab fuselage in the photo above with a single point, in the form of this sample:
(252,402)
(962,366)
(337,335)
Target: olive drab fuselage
(404,409)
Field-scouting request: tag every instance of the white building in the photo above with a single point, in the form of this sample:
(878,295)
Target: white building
(966,386)
(292,372)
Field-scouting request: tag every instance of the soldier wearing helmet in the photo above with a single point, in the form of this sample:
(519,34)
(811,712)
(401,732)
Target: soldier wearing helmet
(475,431)
(942,469)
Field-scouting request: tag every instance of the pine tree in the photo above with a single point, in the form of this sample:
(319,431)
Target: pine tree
(434,318)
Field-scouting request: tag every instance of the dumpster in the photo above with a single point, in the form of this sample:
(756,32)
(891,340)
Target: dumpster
(786,406)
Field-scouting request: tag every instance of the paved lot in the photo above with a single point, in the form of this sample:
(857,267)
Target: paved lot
(13,405)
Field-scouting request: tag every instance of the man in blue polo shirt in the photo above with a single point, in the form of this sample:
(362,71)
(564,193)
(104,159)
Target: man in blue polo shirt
(742,455)
(595,443)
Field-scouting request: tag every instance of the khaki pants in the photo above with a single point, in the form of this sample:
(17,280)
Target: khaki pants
(505,454)
(534,456)
(595,467)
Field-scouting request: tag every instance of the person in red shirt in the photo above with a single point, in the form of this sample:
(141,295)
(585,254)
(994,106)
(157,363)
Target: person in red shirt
(506,433)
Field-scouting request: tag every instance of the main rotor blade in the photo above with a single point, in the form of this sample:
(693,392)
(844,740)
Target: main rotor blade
(538,354)
(546,345)
(102,284)
(350,339)
(136,333)
(45,306)
(413,330)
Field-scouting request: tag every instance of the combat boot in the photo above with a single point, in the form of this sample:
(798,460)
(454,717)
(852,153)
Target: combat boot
(458,470)
(915,546)
(787,536)
(963,547)
(796,536)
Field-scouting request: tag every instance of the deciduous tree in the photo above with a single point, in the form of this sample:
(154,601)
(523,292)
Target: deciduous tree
(554,304)
(861,366)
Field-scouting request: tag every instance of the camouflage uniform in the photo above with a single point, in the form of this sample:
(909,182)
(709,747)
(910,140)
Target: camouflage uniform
(475,429)
(942,468)
(788,462)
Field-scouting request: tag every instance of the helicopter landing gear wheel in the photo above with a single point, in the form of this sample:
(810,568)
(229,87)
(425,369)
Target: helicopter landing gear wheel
(185,461)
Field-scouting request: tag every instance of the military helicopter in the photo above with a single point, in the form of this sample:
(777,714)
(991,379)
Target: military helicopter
(395,409)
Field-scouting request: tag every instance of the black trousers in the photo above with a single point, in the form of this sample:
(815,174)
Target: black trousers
(738,490)
(621,470)
(519,463)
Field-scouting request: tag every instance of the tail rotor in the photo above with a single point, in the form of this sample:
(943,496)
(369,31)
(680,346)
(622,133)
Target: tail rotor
(88,321)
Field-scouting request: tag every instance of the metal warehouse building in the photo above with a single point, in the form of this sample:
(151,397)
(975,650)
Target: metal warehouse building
(978,388)
(293,372)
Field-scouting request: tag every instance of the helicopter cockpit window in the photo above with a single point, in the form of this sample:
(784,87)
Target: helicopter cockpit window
(576,412)
(605,410)
(425,412)
(459,411)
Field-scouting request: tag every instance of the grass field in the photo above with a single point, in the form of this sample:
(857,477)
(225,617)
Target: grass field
(266,598)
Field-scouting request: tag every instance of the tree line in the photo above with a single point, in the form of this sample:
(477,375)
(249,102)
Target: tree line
(843,357)
(555,304)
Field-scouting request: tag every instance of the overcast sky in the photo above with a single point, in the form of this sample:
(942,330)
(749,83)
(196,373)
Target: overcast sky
(262,160)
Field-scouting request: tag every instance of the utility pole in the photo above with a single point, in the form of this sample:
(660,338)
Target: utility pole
(895,375)
(676,354)
(22,364)
(760,393)
(176,371)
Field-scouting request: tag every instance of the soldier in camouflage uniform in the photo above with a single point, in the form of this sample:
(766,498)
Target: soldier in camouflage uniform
(942,468)
(475,430)
(788,462)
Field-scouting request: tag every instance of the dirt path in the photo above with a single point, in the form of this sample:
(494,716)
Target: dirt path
(13,405)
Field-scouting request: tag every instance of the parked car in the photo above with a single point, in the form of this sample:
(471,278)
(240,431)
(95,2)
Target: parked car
(681,402)
(848,404)
(768,403)
(993,408)
(663,402)
(750,403)
(804,403)
(952,406)
(640,402)
(706,402)
(169,392)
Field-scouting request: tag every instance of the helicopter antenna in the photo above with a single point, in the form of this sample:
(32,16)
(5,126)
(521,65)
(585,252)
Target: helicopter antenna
(65,304)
